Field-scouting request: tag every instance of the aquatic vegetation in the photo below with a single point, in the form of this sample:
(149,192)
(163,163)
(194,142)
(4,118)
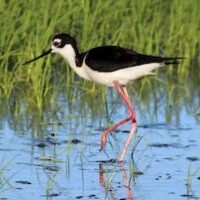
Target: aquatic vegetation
(153,27)
(191,174)
(5,179)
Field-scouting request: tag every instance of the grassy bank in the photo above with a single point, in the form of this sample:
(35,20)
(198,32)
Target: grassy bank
(167,28)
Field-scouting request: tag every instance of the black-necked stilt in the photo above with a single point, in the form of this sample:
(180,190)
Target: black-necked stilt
(113,66)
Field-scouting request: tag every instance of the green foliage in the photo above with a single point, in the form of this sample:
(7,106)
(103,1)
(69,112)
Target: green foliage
(167,28)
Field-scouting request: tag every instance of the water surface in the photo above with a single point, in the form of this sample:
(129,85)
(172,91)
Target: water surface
(61,159)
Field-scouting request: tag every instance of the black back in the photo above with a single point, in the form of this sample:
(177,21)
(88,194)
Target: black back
(112,58)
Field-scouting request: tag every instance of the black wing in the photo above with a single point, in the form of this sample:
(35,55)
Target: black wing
(112,58)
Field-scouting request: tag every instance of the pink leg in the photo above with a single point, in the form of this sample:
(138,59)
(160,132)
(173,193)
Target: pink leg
(124,95)
(105,133)
(126,99)
(133,128)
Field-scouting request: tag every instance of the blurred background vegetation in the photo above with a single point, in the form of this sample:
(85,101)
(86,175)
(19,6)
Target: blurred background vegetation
(166,28)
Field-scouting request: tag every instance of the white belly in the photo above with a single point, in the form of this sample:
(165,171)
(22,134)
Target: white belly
(123,76)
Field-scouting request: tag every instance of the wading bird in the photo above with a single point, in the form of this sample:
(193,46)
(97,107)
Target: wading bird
(112,66)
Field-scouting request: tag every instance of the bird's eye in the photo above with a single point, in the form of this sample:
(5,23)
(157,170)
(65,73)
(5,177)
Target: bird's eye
(56,43)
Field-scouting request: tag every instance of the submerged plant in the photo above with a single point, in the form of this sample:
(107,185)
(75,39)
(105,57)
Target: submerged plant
(4,179)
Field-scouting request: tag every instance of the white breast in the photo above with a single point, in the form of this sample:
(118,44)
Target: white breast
(123,76)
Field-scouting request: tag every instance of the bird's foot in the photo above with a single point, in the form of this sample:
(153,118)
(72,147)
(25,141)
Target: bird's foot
(103,140)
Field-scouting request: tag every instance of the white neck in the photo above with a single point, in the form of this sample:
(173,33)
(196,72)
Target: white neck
(69,54)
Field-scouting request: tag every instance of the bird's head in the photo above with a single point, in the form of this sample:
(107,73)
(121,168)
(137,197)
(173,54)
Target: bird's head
(63,44)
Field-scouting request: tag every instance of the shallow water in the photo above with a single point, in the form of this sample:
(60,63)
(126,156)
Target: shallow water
(62,160)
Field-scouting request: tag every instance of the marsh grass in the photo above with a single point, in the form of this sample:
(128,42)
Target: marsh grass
(5,180)
(167,28)
(191,174)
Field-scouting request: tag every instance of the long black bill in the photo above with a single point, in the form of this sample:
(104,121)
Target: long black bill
(42,55)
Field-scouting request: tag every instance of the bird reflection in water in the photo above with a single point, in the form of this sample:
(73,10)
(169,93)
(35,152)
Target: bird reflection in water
(107,186)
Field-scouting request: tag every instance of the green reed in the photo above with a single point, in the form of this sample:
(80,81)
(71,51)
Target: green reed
(167,28)
(4,178)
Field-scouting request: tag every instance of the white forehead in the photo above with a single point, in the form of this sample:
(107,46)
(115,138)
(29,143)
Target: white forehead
(57,40)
